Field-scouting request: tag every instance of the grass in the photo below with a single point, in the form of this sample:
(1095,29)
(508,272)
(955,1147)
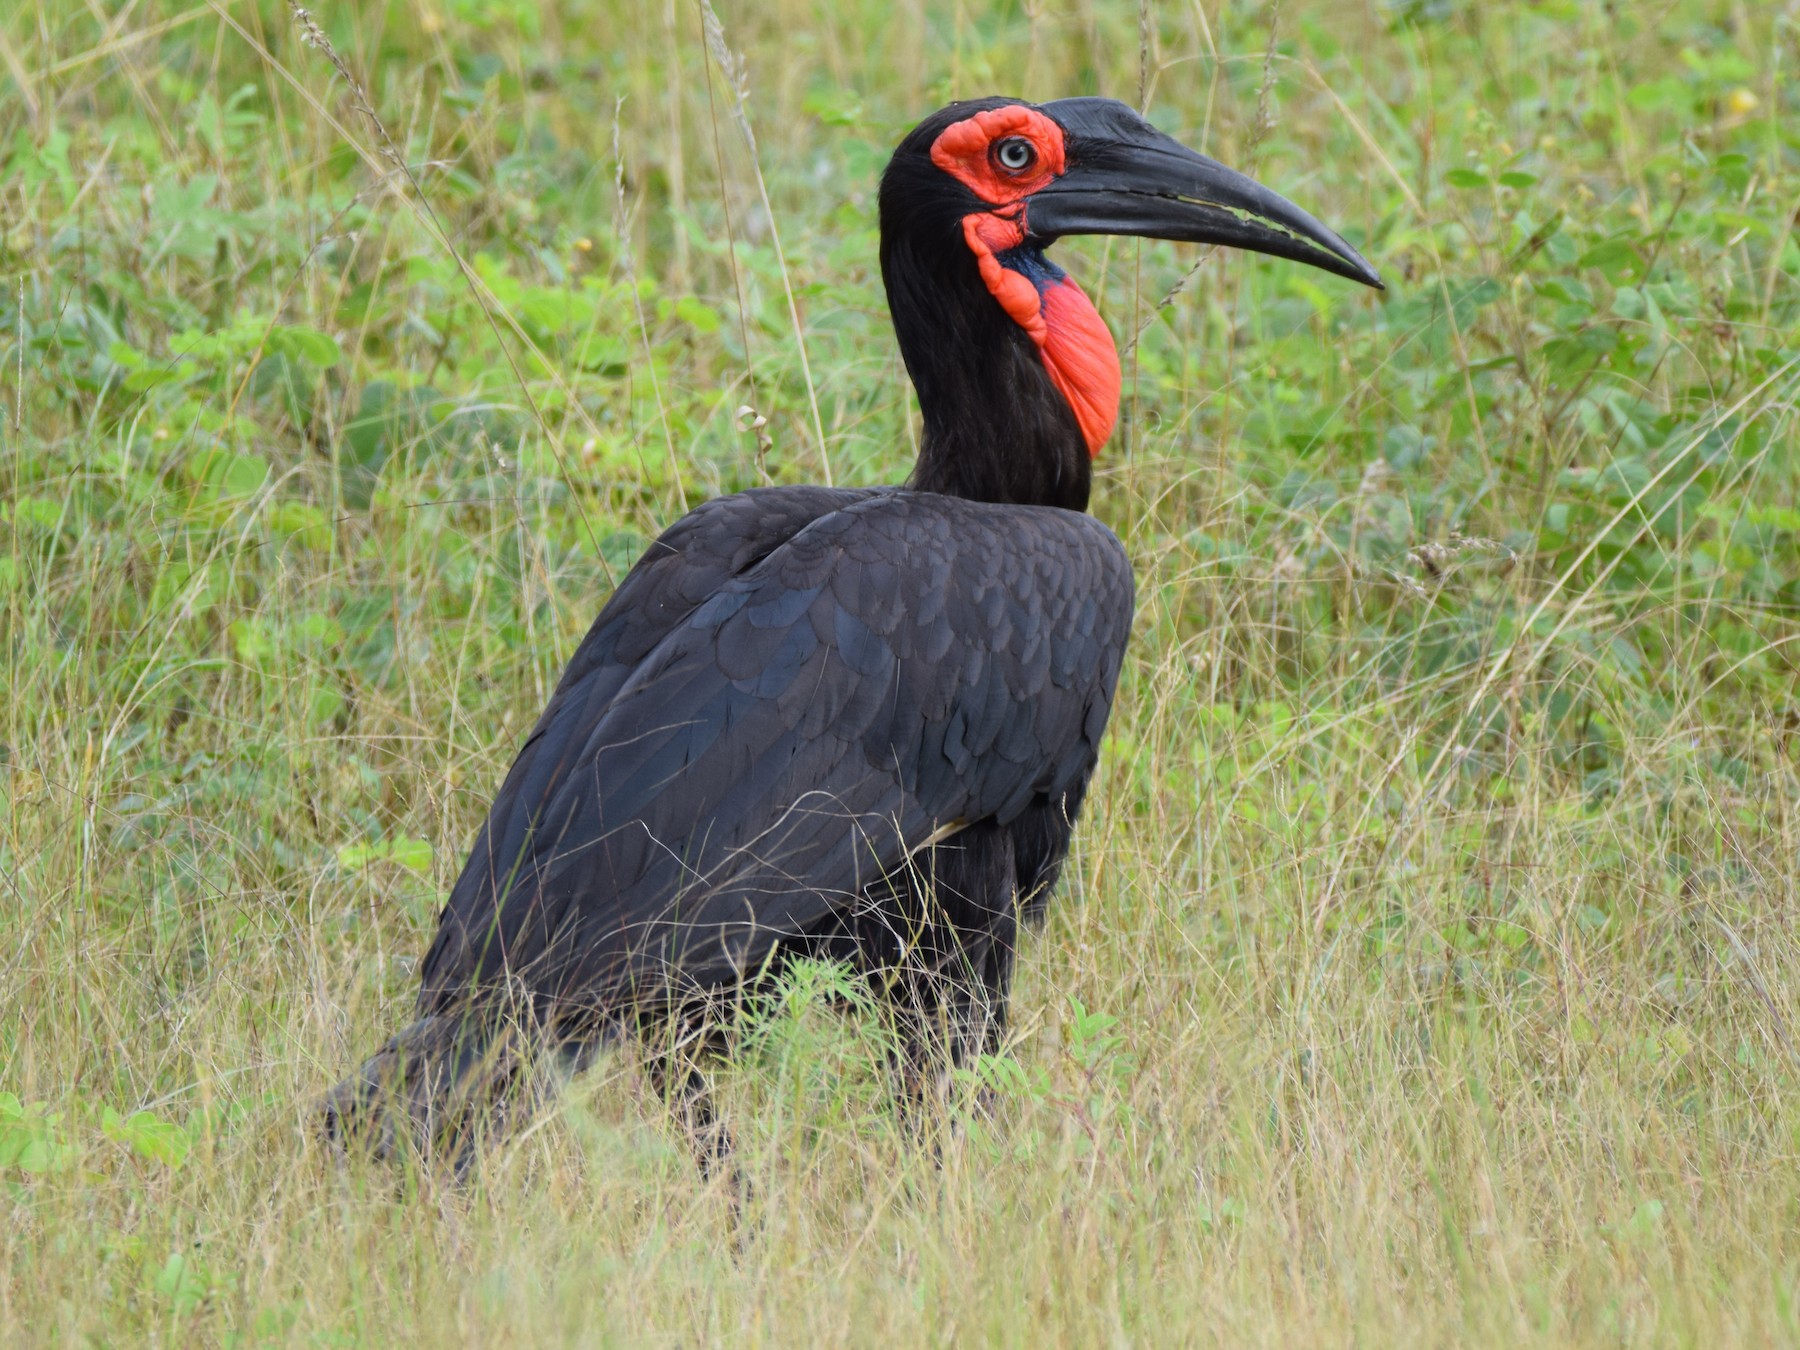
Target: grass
(1427,969)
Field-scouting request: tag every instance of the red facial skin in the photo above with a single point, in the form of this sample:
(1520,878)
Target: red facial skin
(1076,347)
(961,150)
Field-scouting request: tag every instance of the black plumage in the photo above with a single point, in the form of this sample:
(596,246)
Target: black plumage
(730,765)
(848,723)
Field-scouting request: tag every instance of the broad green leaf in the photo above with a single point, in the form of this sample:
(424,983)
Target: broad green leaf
(406,851)
(147,1136)
(324,705)
(1615,257)
(251,640)
(228,473)
(181,1282)
(699,315)
(37,512)
(321,628)
(306,344)
(29,1138)
(305,525)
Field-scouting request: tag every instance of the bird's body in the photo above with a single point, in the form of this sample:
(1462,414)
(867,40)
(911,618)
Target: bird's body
(792,690)
(846,723)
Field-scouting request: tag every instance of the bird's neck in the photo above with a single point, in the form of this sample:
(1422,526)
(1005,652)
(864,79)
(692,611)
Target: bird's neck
(997,427)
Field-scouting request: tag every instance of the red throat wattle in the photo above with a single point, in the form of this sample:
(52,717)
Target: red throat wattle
(1056,314)
(1077,349)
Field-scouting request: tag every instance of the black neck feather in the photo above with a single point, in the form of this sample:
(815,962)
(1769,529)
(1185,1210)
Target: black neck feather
(996,428)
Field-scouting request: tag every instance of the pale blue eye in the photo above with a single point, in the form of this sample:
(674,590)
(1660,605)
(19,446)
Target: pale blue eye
(1015,153)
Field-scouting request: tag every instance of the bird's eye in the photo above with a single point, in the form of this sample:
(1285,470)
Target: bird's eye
(1015,154)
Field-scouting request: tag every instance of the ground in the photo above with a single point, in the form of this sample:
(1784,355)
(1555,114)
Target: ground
(1426,971)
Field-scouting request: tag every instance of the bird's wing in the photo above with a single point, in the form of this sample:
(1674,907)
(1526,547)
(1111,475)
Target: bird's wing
(899,665)
(682,569)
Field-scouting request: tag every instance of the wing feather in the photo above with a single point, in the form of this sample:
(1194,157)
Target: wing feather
(897,666)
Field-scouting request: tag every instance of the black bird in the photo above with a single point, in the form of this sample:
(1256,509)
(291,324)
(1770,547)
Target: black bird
(851,723)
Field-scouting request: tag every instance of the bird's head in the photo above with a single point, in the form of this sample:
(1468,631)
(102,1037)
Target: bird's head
(989,184)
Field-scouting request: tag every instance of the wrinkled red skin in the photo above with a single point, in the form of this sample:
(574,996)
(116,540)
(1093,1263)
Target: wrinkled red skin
(961,150)
(1077,349)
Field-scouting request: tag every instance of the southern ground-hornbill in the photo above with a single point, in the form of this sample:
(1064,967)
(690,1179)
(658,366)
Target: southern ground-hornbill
(850,723)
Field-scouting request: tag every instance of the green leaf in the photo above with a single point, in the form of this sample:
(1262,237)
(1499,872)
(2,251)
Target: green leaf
(1466,178)
(181,1282)
(305,525)
(1668,92)
(252,641)
(147,1136)
(1778,517)
(1514,178)
(1615,257)
(198,588)
(306,344)
(38,513)
(147,377)
(699,315)
(321,628)
(324,705)
(408,852)
(1744,221)
(29,1138)
(228,473)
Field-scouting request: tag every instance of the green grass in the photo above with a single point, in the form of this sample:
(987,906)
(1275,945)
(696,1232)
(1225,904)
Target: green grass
(1427,968)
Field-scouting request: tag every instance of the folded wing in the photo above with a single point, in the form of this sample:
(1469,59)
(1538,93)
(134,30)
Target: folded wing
(734,768)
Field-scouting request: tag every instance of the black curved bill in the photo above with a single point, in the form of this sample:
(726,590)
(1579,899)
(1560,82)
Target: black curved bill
(1126,177)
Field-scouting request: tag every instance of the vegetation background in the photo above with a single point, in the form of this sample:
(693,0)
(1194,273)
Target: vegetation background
(1427,970)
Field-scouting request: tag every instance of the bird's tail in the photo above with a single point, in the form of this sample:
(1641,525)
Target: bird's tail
(436,1092)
